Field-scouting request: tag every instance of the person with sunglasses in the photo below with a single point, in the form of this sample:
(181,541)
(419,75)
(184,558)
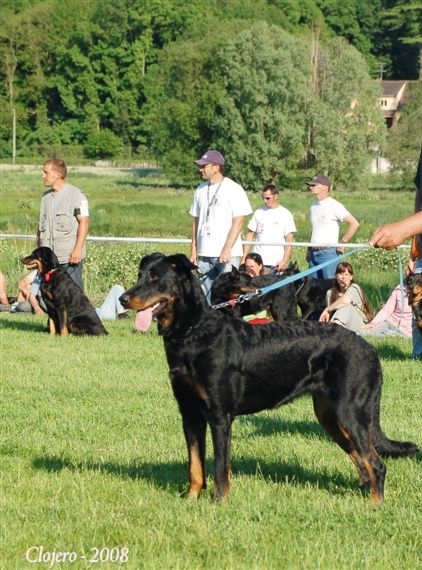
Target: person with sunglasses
(271,224)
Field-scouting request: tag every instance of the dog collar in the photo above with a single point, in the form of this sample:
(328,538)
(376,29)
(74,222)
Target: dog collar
(50,274)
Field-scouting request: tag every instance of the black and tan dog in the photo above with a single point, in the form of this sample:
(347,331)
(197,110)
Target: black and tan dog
(280,303)
(414,289)
(221,367)
(68,309)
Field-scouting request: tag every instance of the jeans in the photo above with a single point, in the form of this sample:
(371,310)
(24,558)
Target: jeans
(318,256)
(111,305)
(75,272)
(416,331)
(211,267)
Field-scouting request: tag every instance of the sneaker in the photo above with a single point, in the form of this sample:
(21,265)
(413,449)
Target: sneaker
(5,308)
(12,307)
(23,307)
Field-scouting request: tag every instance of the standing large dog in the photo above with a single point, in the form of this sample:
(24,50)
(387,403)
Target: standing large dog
(222,367)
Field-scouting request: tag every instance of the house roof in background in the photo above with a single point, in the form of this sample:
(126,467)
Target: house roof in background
(392,88)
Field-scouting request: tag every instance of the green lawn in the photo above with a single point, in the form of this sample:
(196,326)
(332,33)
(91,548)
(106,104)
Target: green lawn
(93,458)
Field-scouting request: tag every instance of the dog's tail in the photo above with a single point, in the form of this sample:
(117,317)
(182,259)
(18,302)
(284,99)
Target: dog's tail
(389,447)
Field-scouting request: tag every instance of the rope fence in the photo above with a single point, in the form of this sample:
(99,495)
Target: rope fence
(188,241)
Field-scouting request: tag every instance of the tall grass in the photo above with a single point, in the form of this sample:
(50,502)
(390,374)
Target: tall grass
(92,450)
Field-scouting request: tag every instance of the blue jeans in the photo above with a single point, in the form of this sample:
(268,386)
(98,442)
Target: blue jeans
(75,272)
(416,331)
(211,267)
(318,256)
(111,305)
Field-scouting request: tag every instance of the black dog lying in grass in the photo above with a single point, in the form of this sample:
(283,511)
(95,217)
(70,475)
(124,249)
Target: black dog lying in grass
(68,309)
(220,367)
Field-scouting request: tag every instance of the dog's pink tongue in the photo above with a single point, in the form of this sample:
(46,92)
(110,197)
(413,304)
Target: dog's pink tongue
(143,319)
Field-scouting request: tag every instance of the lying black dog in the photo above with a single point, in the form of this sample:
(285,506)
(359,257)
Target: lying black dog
(280,303)
(414,288)
(68,309)
(221,367)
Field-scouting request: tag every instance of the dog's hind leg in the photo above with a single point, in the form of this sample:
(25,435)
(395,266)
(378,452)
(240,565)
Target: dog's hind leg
(221,437)
(369,466)
(195,434)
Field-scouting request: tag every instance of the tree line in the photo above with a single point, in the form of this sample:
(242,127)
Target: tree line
(280,86)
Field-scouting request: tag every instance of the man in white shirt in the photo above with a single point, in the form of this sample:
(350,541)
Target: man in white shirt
(326,216)
(271,224)
(219,208)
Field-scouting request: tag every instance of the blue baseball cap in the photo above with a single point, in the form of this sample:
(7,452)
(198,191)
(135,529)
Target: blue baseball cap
(210,157)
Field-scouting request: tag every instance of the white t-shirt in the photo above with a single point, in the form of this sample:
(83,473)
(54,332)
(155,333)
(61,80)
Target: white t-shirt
(216,205)
(271,225)
(326,217)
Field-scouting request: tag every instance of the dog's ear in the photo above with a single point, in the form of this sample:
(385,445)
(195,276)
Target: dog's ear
(180,261)
(234,273)
(150,258)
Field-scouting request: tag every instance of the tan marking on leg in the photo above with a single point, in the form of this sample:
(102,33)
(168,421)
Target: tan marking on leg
(52,327)
(376,498)
(196,473)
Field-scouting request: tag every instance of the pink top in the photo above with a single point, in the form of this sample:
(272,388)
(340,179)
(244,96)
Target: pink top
(396,311)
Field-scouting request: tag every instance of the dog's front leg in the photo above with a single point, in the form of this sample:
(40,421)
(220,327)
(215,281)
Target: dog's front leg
(221,438)
(195,434)
(63,322)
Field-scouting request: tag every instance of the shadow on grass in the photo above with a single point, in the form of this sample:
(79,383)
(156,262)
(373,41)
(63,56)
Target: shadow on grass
(265,426)
(173,475)
(16,322)
(390,351)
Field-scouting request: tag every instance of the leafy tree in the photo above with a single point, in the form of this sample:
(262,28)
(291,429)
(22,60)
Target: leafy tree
(261,118)
(402,37)
(103,144)
(182,92)
(266,108)
(346,127)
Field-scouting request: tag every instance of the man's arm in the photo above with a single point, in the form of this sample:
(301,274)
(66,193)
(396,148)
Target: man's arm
(353,226)
(236,228)
(282,264)
(193,246)
(391,235)
(249,237)
(75,255)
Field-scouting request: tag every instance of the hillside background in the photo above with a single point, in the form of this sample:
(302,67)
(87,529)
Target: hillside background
(282,87)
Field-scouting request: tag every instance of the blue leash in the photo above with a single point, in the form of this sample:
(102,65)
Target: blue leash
(284,282)
(304,273)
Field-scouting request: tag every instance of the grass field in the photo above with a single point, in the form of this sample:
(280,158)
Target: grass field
(93,458)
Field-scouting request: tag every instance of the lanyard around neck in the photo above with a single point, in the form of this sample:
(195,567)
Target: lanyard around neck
(213,199)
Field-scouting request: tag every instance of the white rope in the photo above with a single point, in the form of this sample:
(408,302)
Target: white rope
(188,241)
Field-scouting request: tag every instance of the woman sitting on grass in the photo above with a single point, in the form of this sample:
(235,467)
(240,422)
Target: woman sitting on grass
(394,318)
(347,304)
